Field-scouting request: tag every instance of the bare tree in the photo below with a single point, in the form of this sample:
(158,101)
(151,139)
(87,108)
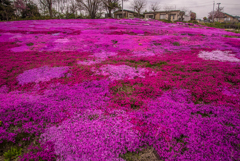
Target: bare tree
(48,4)
(110,5)
(73,7)
(193,15)
(168,9)
(42,7)
(62,5)
(80,7)
(218,13)
(19,5)
(138,6)
(154,7)
(183,11)
(91,6)
(210,15)
(100,10)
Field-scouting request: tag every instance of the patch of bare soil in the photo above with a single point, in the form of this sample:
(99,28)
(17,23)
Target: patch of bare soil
(145,154)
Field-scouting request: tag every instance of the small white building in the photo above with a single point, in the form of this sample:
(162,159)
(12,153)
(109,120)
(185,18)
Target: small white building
(186,18)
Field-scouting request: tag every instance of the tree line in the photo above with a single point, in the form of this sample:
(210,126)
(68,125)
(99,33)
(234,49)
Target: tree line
(21,9)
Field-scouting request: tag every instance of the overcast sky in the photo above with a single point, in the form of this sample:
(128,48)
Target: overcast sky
(201,8)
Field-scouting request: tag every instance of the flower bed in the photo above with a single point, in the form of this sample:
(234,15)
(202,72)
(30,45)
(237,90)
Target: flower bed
(102,89)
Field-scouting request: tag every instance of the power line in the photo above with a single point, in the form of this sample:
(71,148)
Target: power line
(232,4)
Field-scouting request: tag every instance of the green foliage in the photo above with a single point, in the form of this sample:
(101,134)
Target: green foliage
(203,114)
(30,44)
(70,16)
(156,64)
(231,36)
(12,154)
(193,21)
(156,44)
(30,11)
(6,10)
(114,41)
(129,156)
(176,44)
(93,117)
(167,21)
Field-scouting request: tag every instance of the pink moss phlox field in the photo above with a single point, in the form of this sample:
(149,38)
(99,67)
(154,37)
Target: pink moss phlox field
(93,136)
(51,108)
(181,130)
(95,89)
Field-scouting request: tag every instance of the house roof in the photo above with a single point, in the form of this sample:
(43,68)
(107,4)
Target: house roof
(124,10)
(231,15)
(161,11)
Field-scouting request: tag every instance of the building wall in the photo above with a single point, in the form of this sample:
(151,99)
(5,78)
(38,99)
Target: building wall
(125,13)
(162,16)
(147,15)
(130,15)
(170,15)
(157,16)
(186,18)
(120,14)
(226,19)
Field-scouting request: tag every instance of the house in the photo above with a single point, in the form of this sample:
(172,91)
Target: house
(225,17)
(126,14)
(238,17)
(186,18)
(107,16)
(173,15)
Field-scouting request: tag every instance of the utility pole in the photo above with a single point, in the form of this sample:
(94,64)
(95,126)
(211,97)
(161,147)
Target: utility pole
(122,8)
(218,10)
(213,11)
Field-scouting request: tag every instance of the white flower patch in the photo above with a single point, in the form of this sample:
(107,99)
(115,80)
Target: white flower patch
(104,55)
(121,72)
(41,74)
(88,62)
(62,40)
(218,55)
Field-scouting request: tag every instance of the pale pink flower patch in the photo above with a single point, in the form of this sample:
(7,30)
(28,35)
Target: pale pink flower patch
(41,74)
(218,55)
(120,72)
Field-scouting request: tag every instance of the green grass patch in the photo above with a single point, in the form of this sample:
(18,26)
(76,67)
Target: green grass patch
(130,155)
(203,114)
(176,44)
(231,36)
(30,44)
(157,44)
(93,117)
(114,41)
(159,64)
(13,153)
